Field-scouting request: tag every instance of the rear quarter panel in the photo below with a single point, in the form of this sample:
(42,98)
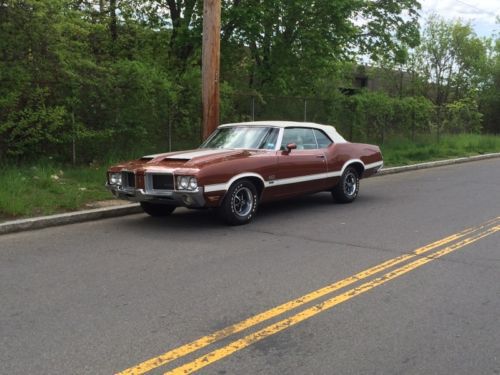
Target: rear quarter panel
(341,154)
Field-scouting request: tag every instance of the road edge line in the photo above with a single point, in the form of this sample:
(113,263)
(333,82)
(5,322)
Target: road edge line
(434,164)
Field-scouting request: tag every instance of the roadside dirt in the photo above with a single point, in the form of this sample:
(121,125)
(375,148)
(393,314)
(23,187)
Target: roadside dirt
(106,203)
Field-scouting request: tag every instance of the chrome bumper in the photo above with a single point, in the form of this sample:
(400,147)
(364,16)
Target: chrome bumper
(194,199)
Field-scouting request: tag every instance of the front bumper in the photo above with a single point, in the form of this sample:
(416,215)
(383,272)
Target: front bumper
(192,199)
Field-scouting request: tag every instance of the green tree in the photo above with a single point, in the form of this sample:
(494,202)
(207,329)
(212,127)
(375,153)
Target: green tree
(31,68)
(101,89)
(290,42)
(453,61)
(463,116)
(489,95)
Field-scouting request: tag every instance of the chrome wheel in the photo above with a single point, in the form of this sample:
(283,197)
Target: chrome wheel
(240,203)
(348,187)
(350,184)
(243,201)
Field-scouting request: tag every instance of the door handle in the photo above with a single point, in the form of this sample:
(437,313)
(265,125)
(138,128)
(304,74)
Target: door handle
(320,156)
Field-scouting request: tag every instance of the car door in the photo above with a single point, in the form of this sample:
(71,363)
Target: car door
(301,170)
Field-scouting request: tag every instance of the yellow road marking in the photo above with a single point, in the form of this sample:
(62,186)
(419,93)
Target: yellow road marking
(202,342)
(240,344)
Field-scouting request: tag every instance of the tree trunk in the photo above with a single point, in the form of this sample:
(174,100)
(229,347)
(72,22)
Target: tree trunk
(113,27)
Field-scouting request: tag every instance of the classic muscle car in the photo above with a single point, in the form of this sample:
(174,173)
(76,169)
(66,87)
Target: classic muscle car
(244,164)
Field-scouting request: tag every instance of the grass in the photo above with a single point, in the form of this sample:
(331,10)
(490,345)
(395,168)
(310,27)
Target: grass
(47,188)
(426,148)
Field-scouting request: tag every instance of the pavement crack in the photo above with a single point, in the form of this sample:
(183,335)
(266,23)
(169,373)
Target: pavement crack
(330,242)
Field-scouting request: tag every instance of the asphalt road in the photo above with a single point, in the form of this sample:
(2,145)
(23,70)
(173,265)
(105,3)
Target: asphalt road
(102,297)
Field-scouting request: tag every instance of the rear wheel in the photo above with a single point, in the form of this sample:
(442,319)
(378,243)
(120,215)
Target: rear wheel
(157,210)
(347,189)
(240,204)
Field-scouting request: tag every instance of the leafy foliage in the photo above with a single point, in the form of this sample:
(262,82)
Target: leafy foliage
(374,116)
(463,116)
(290,42)
(489,95)
(35,128)
(115,77)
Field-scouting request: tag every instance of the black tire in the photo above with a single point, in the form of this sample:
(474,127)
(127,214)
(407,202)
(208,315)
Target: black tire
(157,210)
(347,189)
(240,203)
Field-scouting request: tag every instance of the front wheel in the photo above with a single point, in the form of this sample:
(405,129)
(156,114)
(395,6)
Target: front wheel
(157,210)
(240,204)
(347,189)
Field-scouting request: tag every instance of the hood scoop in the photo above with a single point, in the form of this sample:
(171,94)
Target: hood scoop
(176,159)
(185,156)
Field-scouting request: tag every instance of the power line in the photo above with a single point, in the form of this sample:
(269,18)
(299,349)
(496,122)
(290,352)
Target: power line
(475,7)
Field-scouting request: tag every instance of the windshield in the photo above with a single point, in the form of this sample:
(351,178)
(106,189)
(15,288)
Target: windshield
(243,137)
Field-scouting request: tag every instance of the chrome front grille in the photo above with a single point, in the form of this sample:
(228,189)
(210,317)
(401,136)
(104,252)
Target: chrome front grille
(163,182)
(128,179)
(157,183)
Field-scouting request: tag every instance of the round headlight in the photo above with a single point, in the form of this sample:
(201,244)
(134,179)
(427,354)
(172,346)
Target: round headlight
(184,182)
(115,178)
(193,184)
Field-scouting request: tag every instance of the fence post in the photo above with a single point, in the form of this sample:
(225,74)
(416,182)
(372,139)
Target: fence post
(305,110)
(413,124)
(170,130)
(438,123)
(253,108)
(74,135)
(169,135)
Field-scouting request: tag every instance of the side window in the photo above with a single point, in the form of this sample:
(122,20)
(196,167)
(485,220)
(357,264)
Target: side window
(270,139)
(302,137)
(322,138)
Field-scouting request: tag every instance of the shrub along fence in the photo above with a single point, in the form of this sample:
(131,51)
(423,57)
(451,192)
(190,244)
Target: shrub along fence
(366,116)
(139,115)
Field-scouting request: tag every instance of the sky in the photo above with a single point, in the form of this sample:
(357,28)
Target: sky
(480,13)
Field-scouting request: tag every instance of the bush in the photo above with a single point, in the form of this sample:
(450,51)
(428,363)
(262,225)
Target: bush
(462,116)
(375,116)
(34,129)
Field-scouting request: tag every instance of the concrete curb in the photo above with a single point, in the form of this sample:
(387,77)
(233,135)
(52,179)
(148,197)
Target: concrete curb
(67,218)
(128,209)
(433,164)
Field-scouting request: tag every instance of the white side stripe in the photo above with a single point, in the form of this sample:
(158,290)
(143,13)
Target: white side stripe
(216,187)
(295,180)
(374,165)
(292,180)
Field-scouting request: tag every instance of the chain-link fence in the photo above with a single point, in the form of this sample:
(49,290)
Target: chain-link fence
(364,117)
(96,123)
(257,108)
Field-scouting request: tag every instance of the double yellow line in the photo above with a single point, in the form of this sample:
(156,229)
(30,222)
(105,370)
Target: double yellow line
(453,242)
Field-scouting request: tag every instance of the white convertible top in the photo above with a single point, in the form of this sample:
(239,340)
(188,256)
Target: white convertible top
(328,129)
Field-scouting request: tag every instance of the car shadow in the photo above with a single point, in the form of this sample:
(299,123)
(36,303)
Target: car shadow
(181,219)
(188,219)
(287,206)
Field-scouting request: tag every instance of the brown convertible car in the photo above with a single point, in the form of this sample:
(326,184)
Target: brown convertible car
(242,165)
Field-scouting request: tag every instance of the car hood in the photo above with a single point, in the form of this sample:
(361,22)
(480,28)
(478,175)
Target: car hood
(195,155)
(192,159)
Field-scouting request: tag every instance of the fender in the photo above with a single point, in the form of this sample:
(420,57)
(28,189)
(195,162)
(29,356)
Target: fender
(225,186)
(349,162)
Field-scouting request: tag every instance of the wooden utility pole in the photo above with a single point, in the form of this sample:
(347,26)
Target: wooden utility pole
(210,65)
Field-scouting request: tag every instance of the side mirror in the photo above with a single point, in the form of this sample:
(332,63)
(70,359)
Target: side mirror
(290,147)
